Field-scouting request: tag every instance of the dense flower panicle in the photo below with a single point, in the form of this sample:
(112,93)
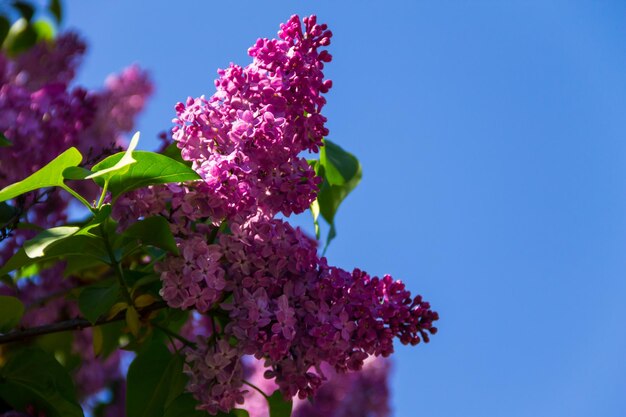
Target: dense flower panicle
(215,375)
(288,307)
(51,115)
(285,305)
(124,96)
(196,278)
(245,140)
(48,62)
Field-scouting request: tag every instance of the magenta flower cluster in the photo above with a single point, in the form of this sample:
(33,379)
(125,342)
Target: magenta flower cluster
(246,139)
(267,292)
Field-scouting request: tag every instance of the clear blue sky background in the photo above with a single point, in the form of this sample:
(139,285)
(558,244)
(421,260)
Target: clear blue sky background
(493,140)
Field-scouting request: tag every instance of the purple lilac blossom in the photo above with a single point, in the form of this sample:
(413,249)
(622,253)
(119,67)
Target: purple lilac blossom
(285,305)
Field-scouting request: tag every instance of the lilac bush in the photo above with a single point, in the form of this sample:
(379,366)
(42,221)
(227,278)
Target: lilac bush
(186,257)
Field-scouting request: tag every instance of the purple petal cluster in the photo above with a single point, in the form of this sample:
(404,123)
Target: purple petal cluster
(277,299)
(245,140)
(215,375)
(291,309)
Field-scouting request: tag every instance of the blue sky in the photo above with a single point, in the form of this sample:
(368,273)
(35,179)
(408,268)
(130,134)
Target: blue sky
(493,141)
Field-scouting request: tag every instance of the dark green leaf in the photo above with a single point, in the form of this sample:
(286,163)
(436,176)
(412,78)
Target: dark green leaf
(5,25)
(172,151)
(26,10)
(339,166)
(56,10)
(153,378)
(4,142)
(51,175)
(11,311)
(153,231)
(111,337)
(96,300)
(278,406)
(151,168)
(36,247)
(7,213)
(184,406)
(34,377)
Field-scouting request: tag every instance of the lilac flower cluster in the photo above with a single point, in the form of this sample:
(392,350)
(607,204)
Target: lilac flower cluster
(291,309)
(245,140)
(275,297)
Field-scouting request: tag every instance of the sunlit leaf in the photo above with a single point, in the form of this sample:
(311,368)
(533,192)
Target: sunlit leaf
(51,175)
(106,171)
(36,246)
(150,169)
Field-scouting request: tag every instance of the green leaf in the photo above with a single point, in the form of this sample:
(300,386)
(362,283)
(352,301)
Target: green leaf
(34,377)
(56,10)
(51,175)
(151,168)
(172,151)
(44,29)
(11,311)
(26,10)
(7,213)
(278,406)
(341,173)
(106,171)
(4,142)
(77,245)
(96,300)
(184,405)
(153,377)
(339,166)
(21,36)
(36,247)
(5,25)
(153,231)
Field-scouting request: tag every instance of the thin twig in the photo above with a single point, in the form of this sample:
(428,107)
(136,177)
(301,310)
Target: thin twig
(73,324)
